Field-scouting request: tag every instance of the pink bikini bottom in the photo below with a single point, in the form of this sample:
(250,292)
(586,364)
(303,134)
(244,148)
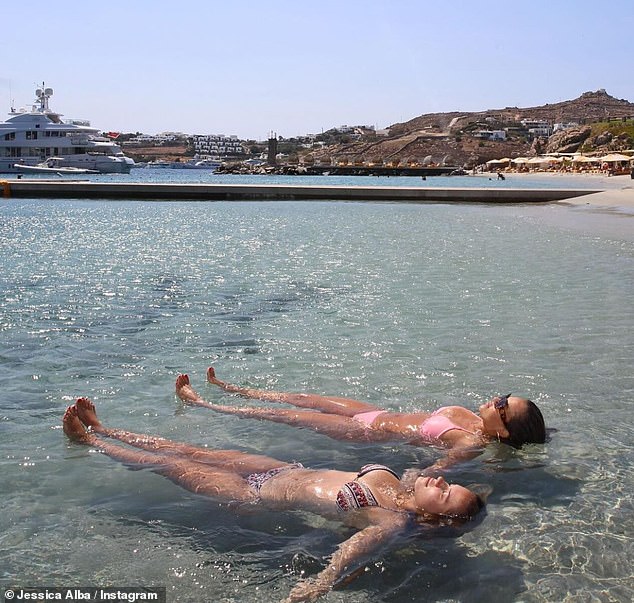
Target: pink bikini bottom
(368,417)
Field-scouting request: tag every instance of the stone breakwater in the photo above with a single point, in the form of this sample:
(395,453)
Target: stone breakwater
(337,170)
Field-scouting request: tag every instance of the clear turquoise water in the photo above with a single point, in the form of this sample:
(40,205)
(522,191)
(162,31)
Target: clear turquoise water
(405,306)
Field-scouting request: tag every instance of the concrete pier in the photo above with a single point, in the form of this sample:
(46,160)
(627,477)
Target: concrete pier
(75,189)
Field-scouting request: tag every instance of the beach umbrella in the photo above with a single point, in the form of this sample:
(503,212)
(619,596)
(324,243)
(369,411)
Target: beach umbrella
(585,159)
(520,160)
(613,157)
(537,160)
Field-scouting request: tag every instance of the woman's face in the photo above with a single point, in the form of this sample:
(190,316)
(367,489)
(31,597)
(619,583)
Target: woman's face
(497,412)
(434,495)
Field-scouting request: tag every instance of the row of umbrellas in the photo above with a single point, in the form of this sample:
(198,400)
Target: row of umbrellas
(546,159)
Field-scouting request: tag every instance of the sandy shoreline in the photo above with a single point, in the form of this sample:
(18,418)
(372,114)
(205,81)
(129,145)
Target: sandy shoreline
(608,213)
(613,191)
(618,199)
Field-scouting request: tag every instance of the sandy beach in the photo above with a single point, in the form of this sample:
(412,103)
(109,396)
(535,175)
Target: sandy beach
(614,198)
(617,193)
(607,213)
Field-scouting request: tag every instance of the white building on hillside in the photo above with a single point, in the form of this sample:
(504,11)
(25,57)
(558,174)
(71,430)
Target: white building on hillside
(565,126)
(162,138)
(490,134)
(537,127)
(217,145)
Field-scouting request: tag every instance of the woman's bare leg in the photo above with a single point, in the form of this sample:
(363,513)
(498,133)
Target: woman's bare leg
(346,407)
(242,463)
(222,485)
(337,427)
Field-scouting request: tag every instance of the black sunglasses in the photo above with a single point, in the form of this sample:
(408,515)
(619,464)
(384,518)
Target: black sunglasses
(500,403)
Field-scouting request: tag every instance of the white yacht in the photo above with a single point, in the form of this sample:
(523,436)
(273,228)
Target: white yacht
(28,138)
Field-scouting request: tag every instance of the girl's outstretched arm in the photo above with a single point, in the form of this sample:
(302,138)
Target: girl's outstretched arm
(350,555)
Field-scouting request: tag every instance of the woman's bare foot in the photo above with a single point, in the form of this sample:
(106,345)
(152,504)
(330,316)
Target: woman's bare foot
(87,413)
(73,427)
(184,390)
(211,377)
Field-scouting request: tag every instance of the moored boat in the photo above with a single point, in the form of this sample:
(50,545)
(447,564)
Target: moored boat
(30,137)
(54,165)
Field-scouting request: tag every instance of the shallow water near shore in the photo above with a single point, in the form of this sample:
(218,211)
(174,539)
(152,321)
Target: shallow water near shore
(405,306)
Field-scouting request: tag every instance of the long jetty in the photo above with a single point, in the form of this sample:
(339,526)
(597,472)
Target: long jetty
(75,189)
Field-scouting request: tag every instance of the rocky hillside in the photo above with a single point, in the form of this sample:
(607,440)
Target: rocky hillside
(603,123)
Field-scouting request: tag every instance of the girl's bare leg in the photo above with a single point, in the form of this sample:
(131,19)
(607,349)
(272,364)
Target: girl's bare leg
(346,407)
(337,427)
(222,485)
(231,460)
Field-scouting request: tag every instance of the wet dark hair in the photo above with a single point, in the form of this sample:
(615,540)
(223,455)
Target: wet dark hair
(527,427)
(475,507)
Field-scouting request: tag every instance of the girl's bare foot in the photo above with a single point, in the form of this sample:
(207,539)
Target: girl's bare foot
(73,427)
(87,413)
(184,390)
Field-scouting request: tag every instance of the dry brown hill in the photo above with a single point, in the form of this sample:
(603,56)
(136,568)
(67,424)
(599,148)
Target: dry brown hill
(589,107)
(452,138)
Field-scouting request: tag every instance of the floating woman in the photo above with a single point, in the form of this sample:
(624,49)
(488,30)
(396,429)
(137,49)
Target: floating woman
(464,434)
(373,501)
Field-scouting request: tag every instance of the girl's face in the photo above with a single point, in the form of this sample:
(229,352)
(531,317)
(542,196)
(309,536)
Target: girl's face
(434,495)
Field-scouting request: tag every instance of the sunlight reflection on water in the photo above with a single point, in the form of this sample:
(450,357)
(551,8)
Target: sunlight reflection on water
(404,306)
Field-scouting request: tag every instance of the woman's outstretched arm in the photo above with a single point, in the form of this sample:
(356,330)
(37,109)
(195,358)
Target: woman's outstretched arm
(346,407)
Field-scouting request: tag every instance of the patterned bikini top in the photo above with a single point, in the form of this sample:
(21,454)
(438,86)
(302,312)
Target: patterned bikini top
(355,494)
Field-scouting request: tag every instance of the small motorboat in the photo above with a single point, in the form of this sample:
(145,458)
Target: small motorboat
(53,165)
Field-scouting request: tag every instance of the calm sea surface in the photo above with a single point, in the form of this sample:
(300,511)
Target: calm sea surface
(406,306)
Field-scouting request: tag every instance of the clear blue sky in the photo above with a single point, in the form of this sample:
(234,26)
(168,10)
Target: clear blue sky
(294,67)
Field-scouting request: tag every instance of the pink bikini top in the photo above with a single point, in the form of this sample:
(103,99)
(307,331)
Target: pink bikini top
(431,428)
(436,425)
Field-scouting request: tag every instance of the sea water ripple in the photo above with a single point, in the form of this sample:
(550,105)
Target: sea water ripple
(404,306)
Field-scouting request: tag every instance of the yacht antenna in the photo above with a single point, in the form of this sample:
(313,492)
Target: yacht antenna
(11,100)
(43,94)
